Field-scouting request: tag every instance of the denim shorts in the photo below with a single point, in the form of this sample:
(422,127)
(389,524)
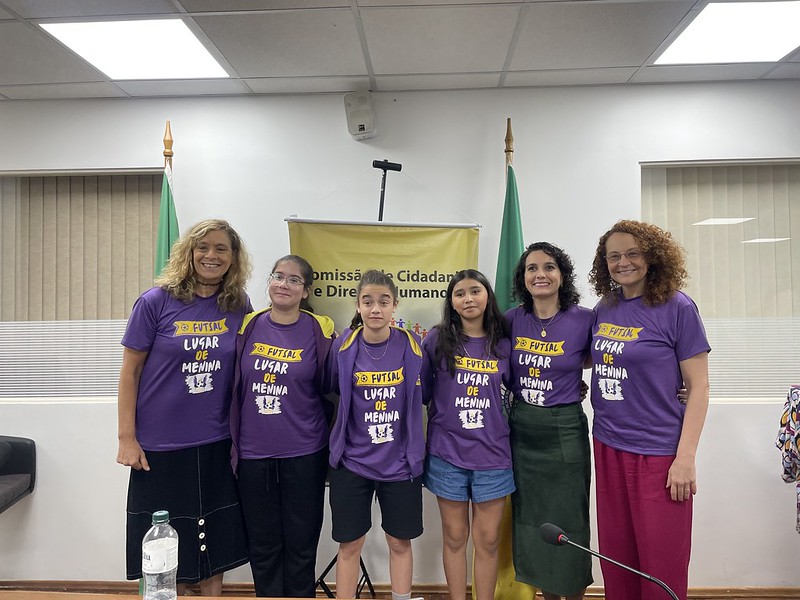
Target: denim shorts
(454,483)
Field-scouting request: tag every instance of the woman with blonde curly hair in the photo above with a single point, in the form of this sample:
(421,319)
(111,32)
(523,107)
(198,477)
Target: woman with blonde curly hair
(648,340)
(173,404)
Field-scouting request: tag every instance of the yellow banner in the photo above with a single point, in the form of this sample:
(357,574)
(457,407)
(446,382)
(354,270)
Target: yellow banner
(476,365)
(618,332)
(378,378)
(539,346)
(284,354)
(200,327)
(420,259)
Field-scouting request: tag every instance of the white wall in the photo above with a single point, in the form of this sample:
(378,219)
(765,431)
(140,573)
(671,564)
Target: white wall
(255,161)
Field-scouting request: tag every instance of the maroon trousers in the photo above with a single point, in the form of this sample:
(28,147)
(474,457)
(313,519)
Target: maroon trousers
(639,525)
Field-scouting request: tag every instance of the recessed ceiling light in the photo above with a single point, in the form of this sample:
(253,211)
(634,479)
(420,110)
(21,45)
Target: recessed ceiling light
(764,240)
(724,221)
(159,49)
(737,32)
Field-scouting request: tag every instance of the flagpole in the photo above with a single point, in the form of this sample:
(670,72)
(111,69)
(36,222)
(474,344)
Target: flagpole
(511,246)
(509,142)
(168,145)
(167,232)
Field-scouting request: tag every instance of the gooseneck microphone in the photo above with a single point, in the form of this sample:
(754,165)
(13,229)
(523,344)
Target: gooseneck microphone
(552,534)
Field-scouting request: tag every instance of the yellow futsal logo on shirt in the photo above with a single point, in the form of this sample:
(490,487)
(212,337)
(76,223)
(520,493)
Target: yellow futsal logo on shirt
(277,353)
(372,378)
(200,327)
(539,346)
(476,365)
(618,332)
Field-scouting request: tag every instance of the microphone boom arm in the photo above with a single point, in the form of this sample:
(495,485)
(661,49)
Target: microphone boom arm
(563,539)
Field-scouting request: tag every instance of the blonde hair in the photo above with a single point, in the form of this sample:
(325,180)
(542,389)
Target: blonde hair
(179,277)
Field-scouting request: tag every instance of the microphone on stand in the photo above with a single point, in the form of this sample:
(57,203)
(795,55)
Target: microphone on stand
(384,165)
(552,534)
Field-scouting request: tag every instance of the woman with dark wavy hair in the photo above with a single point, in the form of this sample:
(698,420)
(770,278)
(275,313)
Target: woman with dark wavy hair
(469,458)
(550,337)
(648,340)
(174,398)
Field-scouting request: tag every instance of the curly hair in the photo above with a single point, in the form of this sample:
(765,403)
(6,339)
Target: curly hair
(179,277)
(451,329)
(567,294)
(666,263)
(307,272)
(372,277)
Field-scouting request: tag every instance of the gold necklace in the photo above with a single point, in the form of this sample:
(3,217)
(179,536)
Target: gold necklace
(543,332)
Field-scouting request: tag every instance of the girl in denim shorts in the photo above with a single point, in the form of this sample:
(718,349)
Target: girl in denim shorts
(465,362)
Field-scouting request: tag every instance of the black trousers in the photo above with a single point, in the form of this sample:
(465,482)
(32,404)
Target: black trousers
(282,500)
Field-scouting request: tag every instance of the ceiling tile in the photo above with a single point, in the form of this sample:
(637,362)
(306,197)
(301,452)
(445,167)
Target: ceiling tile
(785,71)
(450,81)
(569,77)
(593,34)
(61,91)
(5,15)
(292,43)
(366,3)
(184,87)
(689,73)
(40,9)
(238,5)
(794,56)
(30,56)
(439,39)
(299,85)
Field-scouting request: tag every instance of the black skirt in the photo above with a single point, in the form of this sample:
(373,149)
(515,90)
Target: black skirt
(197,487)
(552,470)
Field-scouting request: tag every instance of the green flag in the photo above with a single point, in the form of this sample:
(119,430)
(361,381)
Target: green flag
(512,244)
(167,223)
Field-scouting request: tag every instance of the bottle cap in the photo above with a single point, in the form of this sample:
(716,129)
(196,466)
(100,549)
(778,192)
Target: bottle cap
(160,516)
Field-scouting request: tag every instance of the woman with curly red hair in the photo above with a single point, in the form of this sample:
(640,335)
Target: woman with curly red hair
(648,340)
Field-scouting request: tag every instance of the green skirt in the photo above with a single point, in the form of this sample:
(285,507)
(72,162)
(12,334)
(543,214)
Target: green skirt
(552,470)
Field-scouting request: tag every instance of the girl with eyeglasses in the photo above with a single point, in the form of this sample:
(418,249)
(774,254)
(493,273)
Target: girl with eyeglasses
(648,340)
(377,444)
(468,466)
(280,432)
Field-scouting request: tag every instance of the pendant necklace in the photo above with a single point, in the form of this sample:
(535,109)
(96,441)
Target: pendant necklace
(544,326)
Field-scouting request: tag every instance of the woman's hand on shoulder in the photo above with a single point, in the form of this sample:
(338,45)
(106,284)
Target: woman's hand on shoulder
(130,454)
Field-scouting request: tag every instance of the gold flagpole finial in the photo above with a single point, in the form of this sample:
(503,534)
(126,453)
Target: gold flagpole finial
(509,143)
(168,146)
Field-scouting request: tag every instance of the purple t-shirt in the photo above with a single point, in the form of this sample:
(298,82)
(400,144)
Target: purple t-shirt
(282,413)
(547,371)
(636,350)
(185,387)
(376,432)
(466,424)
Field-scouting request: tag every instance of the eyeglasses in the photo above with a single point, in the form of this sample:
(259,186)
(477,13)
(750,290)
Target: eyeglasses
(632,255)
(279,278)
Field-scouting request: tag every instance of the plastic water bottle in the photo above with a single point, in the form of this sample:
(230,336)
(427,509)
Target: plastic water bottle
(160,559)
